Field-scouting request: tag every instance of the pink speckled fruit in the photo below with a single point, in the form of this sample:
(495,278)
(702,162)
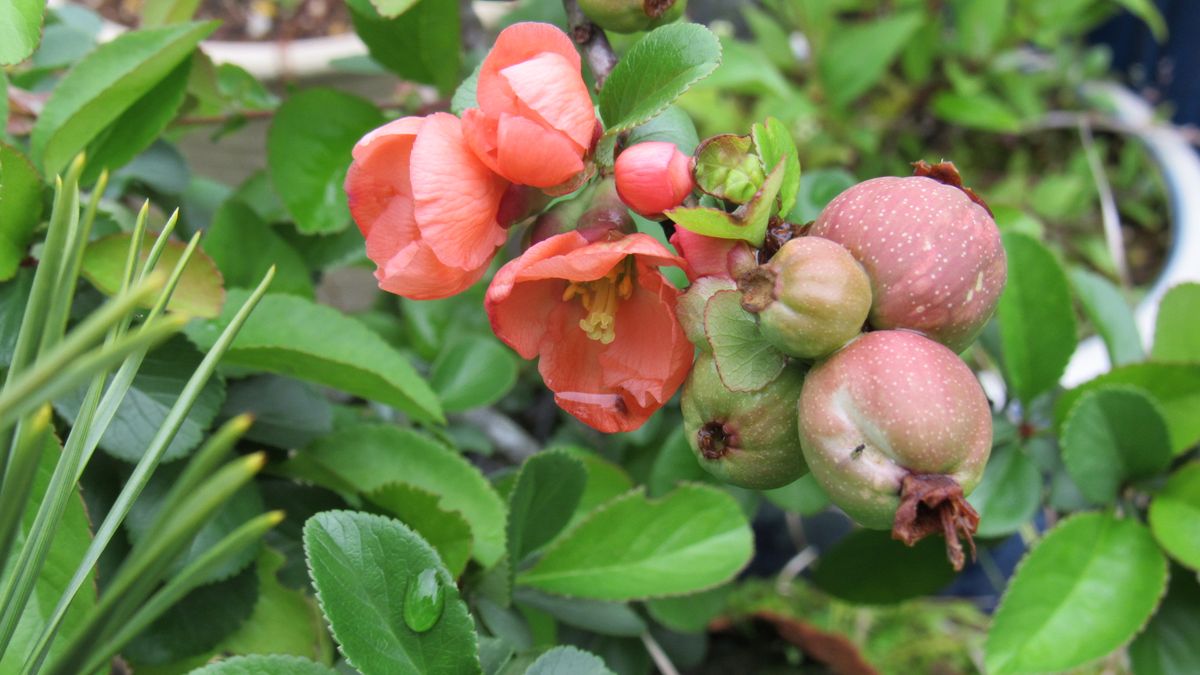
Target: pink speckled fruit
(811,298)
(931,249)
(897,430)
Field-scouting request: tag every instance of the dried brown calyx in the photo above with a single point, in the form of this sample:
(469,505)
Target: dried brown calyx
(931,503)
(716,439)
(947,174)
(758,289)
(656,8)
(779,232)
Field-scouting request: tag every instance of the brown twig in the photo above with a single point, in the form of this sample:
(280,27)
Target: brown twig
(591,39)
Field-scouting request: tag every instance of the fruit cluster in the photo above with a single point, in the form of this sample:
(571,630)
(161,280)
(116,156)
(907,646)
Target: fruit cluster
(869,304)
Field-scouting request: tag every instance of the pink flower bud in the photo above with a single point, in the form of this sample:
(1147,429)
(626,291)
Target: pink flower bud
(653,177)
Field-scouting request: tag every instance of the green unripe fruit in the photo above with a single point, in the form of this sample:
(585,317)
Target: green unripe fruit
(811,298)
(745,439)
(631,16)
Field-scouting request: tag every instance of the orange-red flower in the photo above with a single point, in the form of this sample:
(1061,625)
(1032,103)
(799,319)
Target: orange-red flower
(601,317)
(712,257)
(426,205)
(653,177)
(535,121)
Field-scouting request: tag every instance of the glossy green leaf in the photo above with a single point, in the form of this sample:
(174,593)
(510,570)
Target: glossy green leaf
(1170,645)
(1111,436)
(817,188)
(446,531)
(177,634)
(159,382)
(421,45)
(1174,387)
(672,125)
(803,496)
(1110,314)
(855,58)
(288,413)
(466,94)
(597,616)
(70,542)
(308,152)
(689,613)
(20,29)
(472,372)
(265,664)
(546,493)
(624,549)
(605,480)
(200,292)
(1178,325)
(105,84)
(1085,589)
(774,144)
(393,8)
(1175,515)
(364,568)
(745,360)
(20,207)
(284,620)
(293,336)
(568,661)
(1009,494)
(656,71)
(1037,322)
(243,246)
(976,111)
(369,457)
(164,12)
(869,567)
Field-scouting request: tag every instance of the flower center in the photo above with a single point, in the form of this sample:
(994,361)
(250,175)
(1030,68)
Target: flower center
(600,298)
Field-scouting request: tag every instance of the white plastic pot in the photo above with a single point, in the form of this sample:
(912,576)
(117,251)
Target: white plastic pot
(1180,166)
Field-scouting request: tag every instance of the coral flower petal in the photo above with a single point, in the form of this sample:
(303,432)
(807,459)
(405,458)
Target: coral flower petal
(517,43)
(637,362)
(456,195)
(379,174)
(552,88)
(528,154)
(708,256)
(590,262)
(519,316)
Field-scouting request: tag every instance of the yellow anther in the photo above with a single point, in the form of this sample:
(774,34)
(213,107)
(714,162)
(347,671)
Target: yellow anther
(600,298)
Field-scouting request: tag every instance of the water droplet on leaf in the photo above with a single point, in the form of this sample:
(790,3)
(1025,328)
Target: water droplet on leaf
(424,600)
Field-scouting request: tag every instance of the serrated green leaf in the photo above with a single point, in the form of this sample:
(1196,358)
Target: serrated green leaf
(1037,322)
(1170,645)
(1085,589)
(159,382)
(290,335)
(672,125)
(818,187)
(446,531)
(870,567)
(1174,387)
(288,413)
(748,222)
(693,538)
(654,72)
(465,95)
(1009,494)
(243,247)
(105,84)
(597,616)
(371,456)
(308,153)
(265,664)
(689,613)
(20,207)
(364,568)
(605,480)
(856,57)
(284,620)
(1175,515)
(1178,324)
(1111,436)
(1109,312)
(421,45)
(472,372)
(745,360)
(201,289)
(20,29)
(546,494)
(568,661)
(774,144)
(177,635)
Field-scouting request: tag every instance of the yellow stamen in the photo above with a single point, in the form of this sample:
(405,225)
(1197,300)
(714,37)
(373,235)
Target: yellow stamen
(600,298)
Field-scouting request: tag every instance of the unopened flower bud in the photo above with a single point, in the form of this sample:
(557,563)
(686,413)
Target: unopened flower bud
(653,177)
